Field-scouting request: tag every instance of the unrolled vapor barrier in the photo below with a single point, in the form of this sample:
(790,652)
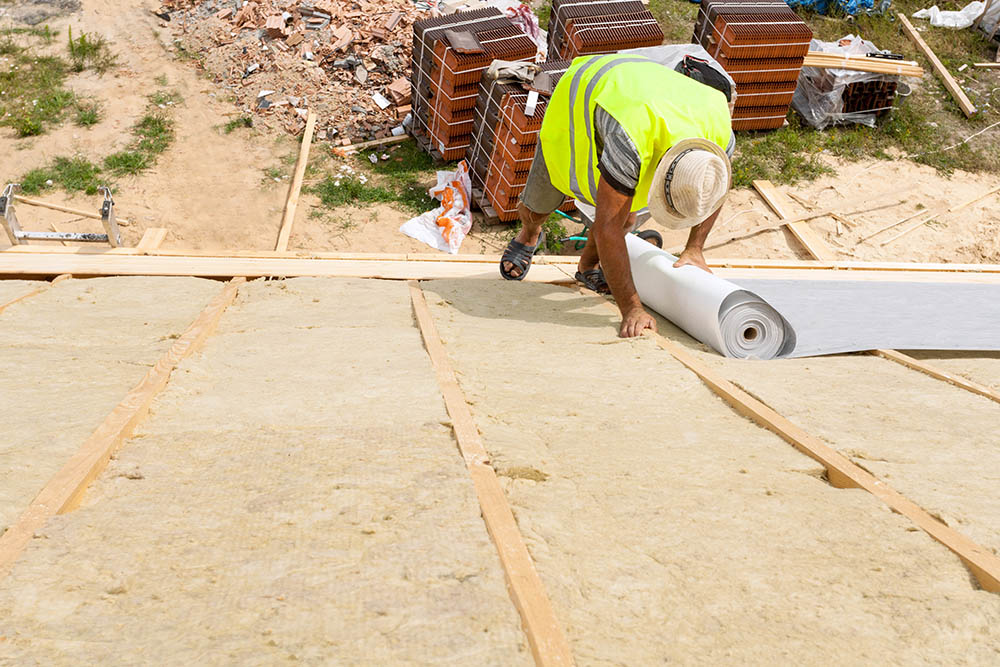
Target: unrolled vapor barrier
(770,318)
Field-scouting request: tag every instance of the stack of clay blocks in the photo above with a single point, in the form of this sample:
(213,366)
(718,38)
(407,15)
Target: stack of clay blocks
(505,138)
(761,45)
(585,28)
(445,83)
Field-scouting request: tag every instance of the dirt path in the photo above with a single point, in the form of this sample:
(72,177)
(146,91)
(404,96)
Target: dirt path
(296,494)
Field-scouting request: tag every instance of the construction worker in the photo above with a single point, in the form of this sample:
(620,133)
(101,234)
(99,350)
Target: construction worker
(620,132)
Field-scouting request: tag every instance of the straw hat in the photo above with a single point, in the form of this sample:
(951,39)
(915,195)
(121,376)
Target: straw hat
(690,183)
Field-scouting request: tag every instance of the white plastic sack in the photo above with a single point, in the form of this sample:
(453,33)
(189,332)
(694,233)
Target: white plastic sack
(960,19)
(446,226)
(990,19)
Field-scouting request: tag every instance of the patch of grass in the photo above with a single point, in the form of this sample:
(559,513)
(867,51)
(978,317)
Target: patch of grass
(163,98)
(782,156)
(404,159)
(237,123)
(90,52)
(33,94)
(88,114)
(76,174)
(154,132)
(8,47)
(335,192)
(274,173)
(45,33)
(544,14)
(161,80)
(127,163)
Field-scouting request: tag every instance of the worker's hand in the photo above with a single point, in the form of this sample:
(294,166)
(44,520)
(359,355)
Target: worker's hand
(692,257)
(635,321)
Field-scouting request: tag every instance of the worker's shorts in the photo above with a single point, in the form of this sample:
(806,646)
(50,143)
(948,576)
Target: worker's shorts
(539,195)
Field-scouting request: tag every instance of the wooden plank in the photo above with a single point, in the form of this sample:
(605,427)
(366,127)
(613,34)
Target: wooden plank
(543,629)
(374,143)
(50,264)
(841,471)
(990,65)
(964,103)
(65,490)
(152,238)
(935,372)
(292,201)
(66,209)
(438,258)
(811,241)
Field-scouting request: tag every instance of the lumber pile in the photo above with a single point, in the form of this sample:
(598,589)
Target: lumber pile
(346,61)
(862,64)
(450,54)
(585,28)
(504,139)
(761,44)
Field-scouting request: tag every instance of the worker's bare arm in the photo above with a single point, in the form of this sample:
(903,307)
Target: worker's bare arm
(612,212)
(693,252)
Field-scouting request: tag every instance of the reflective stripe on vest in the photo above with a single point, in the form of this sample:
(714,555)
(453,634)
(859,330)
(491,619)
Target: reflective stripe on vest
(683,108)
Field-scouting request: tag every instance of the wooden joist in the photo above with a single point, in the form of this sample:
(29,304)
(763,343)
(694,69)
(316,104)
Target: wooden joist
(84,264)
(543,629)
(65,209)
(935,372)
(963,101)
(809,239)
(66,489)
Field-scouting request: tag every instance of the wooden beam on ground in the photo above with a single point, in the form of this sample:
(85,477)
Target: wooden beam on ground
(809,239)
(544,631)
(39,290)
(343,151)
(152,238)
(292,201)
(964,103)
(990,65)
(933,371)
(65,209)
(65,490)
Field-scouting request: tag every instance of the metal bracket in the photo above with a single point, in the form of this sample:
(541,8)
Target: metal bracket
(10,224)
(108,218)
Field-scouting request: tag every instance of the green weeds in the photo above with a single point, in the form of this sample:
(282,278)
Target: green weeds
(90,52)
(237,123)
(75,174)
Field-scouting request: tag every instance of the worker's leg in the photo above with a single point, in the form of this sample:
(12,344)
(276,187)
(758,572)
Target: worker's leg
(538,201)
(589,258)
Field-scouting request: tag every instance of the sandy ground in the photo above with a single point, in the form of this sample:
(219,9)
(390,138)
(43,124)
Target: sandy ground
(69,356)
(667,528)
(296,494)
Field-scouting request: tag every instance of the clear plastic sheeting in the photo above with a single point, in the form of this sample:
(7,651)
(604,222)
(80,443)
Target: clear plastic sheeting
(822,94)
(733,321)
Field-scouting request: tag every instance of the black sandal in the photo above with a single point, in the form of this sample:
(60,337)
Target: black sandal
(593,280)
(520,256)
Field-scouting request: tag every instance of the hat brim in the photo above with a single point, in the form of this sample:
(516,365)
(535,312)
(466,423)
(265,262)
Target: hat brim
(658,206)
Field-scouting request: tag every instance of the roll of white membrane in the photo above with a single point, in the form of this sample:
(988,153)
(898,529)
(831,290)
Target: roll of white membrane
(735,322)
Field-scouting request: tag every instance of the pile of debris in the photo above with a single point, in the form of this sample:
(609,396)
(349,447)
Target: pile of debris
(346,60)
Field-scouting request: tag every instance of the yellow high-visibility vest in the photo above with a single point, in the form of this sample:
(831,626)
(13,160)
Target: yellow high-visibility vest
(656,106)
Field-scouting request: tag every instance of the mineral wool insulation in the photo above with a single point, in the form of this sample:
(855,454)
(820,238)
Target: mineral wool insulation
(766,318)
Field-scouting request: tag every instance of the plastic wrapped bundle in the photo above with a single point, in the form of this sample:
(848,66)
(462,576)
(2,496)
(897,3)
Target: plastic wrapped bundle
(826,97)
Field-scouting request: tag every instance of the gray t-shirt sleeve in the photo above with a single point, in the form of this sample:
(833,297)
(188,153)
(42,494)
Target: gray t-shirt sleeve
(619,161)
